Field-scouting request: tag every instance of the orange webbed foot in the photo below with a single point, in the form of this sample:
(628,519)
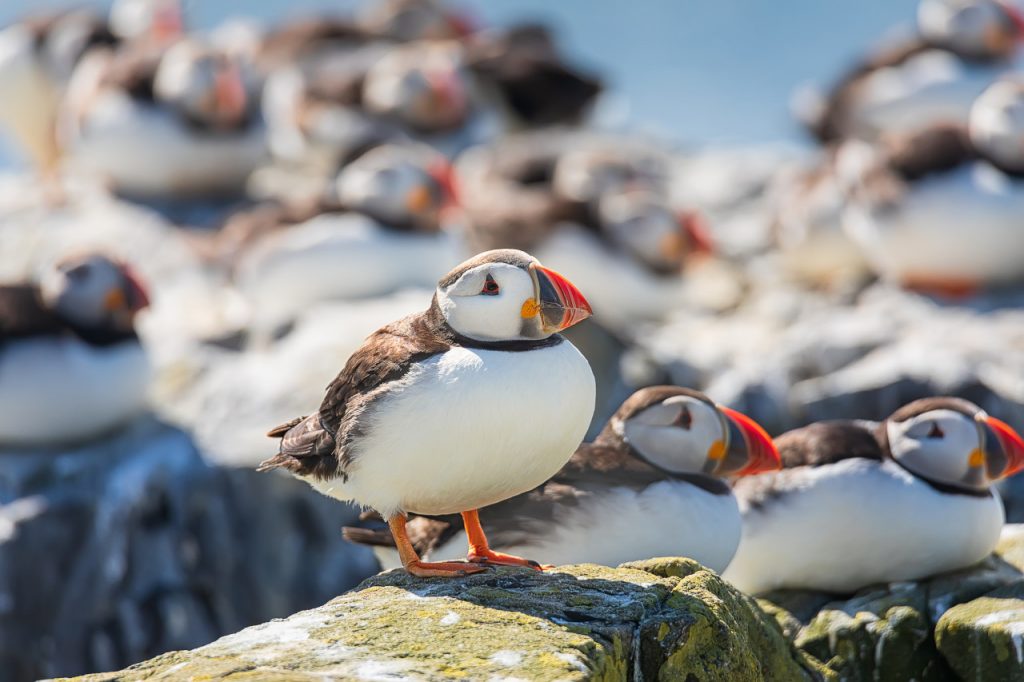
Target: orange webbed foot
(490,557)
(442,569)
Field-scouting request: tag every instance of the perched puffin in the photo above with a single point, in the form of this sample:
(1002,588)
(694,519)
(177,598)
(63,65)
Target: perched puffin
(595,206)
(475,400)
(931,77)
(940,210)
(377,229)
(649,485)
(859,503)
(188,106)
(38,55)
(71,366)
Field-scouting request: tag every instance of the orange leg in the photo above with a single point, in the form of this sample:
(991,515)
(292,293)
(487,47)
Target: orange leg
(479,552)
(938,286)
(423,569)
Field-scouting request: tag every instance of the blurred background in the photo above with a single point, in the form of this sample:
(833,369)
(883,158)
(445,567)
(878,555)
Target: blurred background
(206,206)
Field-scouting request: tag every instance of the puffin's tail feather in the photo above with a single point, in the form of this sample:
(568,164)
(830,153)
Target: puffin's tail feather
(279,431)
(368,536)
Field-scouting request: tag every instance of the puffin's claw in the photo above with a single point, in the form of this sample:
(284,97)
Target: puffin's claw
(442,569)
(489,557)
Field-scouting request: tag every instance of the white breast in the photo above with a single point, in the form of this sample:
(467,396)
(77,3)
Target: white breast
(469,428)
(960,225)
(340,257)
(60,390)
(120,138)
(858,522)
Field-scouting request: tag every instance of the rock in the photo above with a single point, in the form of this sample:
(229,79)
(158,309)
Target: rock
(983,640)
(663,619)
(886,632)
(127,547)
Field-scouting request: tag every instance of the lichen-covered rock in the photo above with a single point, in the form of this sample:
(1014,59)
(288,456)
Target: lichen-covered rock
(983,640)
(133,545)
(648,620)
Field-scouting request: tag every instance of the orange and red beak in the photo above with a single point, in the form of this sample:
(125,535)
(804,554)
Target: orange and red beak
(696,232)
(1016,17)
(444,175)
(1004,448)
(229,93)
(750,449)
(557,302)
(168,23)
(135,290)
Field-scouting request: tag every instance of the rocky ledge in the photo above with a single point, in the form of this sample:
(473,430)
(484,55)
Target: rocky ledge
(666,619)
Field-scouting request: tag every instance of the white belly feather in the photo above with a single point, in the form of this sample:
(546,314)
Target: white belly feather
(61,390)
(858,522)
(468,428)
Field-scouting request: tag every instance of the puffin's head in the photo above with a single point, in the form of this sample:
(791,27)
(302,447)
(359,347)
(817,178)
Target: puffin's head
(586,174)
(408,20)
(953,441)
(996,124)
(682,431)
(159,20)
(506,295)
(398,184)
(981,29)
(94,291)
(423,85)
(205,83)
(644,226)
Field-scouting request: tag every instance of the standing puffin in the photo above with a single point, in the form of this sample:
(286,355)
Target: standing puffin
(859,503)
(475,400)
(940,211)
(649,485)
(71,365)
(189,106)
(930,77)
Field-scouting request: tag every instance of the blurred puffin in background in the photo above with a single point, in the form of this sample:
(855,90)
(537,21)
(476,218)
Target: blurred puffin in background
(940,210)
(39,54)
(596,205)
(189,105)
(928,78)
(376,228)
(859,503)
(71,365)
(651,484)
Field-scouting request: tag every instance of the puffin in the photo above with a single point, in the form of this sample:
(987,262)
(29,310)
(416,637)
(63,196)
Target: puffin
(470,402)
(939,211)
(38,55)
(858,503)
(930,77)
(376,228)
(189,105)
(651,484)
(71,364)
(408,20)
(595,206)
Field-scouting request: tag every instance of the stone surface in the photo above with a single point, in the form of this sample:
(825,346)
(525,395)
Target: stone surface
(133,545)
(663,619)
(983,640)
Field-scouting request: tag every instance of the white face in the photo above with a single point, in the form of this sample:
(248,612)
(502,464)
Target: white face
(90,292)
(996,123)
(423,86)
(160,19)
(486,303)
(941,445)
(394,183)
(681,434)
(645,227)
(976,27)
(206,84)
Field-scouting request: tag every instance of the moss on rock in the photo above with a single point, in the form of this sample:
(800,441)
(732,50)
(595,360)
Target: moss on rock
(983,640)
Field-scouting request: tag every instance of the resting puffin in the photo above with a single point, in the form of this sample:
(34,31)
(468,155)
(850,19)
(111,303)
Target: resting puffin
(188,105)
(475,400)
(940,211)
(71,366)
(931,77)
(38,55)
(594,205)
(377,229)
(649,485)
(859,503)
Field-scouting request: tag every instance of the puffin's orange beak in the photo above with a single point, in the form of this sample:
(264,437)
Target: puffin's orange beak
(229,93)
(694,227)
(1016,17)
(750,447)
(444,175)
(136,290)
(167,22)
(1003,446)
(557,300)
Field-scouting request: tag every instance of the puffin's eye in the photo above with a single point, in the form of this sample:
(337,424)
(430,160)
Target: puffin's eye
(935,431)
(490,287)
(684,420)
